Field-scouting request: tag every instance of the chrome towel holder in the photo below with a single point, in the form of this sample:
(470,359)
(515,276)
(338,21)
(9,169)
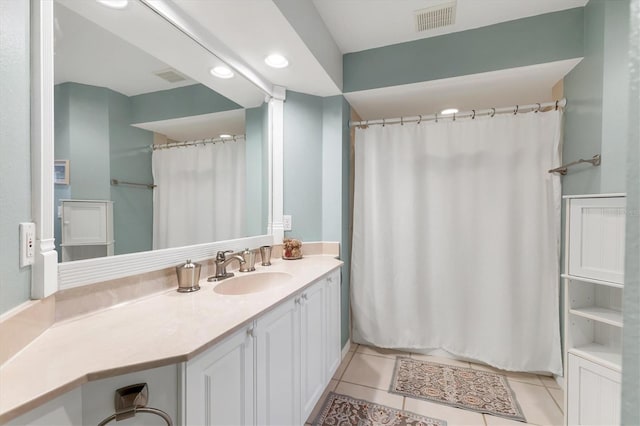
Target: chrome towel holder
(595,161)
(133,399)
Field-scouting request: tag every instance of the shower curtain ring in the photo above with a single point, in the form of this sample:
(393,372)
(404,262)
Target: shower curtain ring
(402,121)
(383,122)
(473,117)
(436,117)
(493,112)
(420,119)
(539,106)
(557,105)
(516,110)
(454,116)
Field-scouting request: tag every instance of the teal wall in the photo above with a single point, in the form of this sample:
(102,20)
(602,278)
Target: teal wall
(336,166)
(303,165)
(185,101)
(130,160)
(535,40)
(596,115)
(316,176)
(93,131)
(15,183)
(257,179)
(631,308)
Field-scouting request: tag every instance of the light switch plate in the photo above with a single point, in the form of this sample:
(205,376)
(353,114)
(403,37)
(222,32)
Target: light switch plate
(27,243)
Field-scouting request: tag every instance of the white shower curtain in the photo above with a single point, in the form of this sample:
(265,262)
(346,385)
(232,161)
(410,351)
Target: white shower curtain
(456,239)
(200,194)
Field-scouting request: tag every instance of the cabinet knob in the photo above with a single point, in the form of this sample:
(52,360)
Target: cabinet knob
(251,332)
(330,279)
(297,300)
(304,296)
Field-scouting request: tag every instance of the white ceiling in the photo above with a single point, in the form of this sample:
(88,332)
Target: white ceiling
(524,85)
(88,54)
(203,126)
(146,30)
(365,24)
(256,28)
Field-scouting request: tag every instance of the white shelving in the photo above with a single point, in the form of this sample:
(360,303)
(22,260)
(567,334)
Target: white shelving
(594,284)
(605,315)
(600,354)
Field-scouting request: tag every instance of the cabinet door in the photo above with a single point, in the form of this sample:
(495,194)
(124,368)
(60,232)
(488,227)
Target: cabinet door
(219,383)
(596,238)
(313,345)
(278,365)
(593,393)
(84,222)
(334,344)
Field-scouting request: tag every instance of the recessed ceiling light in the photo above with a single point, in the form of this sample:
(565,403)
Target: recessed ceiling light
(276,61)
(225,136)
(221,72)
(449,111)
(114,4)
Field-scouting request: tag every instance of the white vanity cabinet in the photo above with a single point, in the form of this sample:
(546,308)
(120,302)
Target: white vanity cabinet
(279,364)
(218,387)
(87,229)
(594,285)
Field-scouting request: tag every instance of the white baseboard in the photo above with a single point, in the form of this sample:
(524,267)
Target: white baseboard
(345,348)
(559,380)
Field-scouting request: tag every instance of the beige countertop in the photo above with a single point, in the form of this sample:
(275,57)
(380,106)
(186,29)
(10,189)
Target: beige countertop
(159,330)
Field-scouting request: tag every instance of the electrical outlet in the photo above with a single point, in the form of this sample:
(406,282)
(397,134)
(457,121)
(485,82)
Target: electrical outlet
(27,243)
(286,222)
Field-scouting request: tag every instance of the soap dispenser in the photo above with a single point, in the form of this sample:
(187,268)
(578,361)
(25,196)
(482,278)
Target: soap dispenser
(249,261)
(188,277)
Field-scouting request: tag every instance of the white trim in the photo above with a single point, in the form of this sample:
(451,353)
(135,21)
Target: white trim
(613,194)
(276,165)
(346,348)
(44,270)
(82,272)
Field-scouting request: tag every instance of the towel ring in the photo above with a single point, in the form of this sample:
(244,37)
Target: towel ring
(150,410)
(133,399)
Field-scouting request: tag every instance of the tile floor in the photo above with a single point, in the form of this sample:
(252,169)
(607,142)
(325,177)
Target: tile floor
(365,373)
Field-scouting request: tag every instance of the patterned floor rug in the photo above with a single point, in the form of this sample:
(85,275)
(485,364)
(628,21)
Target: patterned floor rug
(474,390)
(342,410)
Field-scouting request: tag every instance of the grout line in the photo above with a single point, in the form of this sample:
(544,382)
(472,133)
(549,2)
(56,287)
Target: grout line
(367,386)
(484,419)
(339,378)
(554,400)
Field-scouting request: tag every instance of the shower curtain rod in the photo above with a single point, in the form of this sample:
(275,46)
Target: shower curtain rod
(516,109)
(195,142)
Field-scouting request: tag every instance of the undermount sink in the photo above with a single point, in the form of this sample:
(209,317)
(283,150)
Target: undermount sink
(252,283)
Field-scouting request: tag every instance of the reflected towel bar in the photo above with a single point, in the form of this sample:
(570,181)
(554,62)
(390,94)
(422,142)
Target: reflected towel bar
(121,182)
(595,161)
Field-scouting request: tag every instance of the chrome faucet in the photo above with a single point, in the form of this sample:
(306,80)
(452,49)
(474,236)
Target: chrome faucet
(221,265)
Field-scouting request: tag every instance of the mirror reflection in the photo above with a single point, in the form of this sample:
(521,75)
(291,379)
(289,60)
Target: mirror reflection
(153,158)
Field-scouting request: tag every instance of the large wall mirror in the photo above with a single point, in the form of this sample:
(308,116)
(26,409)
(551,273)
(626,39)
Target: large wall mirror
(175,160)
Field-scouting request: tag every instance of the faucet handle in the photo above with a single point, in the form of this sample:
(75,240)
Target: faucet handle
(221,255)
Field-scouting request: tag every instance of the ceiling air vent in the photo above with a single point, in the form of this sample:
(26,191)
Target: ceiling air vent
(435,17)
(170,75)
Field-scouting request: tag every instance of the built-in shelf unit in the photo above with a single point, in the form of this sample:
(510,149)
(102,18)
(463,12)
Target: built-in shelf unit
(593,285)
(87,229)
